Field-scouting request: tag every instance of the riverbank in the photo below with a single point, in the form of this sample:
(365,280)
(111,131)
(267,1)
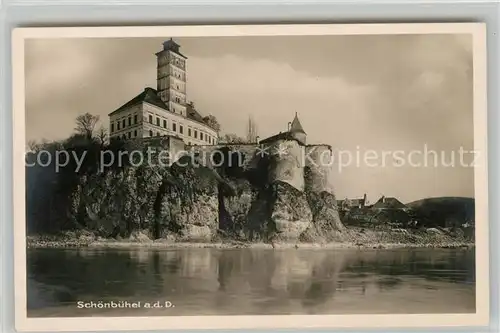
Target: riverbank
(349,238)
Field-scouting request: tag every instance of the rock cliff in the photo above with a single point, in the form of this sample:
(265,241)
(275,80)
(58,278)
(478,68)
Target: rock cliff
(260,198)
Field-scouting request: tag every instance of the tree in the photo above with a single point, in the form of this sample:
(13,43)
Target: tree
(32,146)
(102,135)
(251,130)
(231,138)
(85,124)
(212,122)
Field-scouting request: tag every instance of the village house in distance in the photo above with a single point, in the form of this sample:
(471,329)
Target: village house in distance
(166,110)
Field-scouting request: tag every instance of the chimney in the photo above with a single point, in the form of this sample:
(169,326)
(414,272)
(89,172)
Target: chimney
(383,199)
(364,199)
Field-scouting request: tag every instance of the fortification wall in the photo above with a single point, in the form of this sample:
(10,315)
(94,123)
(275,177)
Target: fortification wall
(234,155)
(318,165)
(286,163)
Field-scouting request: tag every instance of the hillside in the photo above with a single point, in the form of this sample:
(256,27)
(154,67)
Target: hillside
(444,211)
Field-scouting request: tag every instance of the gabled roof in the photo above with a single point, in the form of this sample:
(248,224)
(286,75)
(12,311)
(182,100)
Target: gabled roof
(389,203)
(296,126)
(149,95)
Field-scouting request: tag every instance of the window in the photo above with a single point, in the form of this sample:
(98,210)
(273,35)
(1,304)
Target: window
(201,136)
(150,119)
(150,133)
(135,134)
(157,133)
(118,126)
(195,134)
(157,121)
(129,134)
(210,140)
(123,123)
(164,123)
(181,129)
(189,132)
(135,119)
(130,121)
(174,127)
(112,127)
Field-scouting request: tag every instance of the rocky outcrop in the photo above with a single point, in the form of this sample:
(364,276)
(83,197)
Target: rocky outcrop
(290,212)
(265,198)
(325,217)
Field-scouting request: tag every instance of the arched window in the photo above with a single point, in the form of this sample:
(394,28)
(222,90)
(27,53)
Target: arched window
(150,133)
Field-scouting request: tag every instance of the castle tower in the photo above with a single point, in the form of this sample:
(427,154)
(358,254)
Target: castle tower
(171,77)
(297,131)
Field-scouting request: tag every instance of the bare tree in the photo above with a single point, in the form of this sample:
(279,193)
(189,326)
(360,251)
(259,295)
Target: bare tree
(251,130)
(32,145)
(102,135)
(85,124)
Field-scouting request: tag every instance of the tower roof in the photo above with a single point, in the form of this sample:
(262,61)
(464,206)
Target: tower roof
(296,126)
(171,45)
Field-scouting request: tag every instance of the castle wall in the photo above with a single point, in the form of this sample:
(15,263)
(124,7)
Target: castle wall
(286,163)
(234,155)
(299,136)
(318,163)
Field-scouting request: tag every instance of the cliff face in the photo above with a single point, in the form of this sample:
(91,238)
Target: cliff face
(257,199)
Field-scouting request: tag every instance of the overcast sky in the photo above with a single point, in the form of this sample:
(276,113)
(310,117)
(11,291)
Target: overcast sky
(356,93)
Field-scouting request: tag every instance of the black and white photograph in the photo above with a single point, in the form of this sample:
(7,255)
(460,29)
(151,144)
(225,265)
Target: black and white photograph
(272,176)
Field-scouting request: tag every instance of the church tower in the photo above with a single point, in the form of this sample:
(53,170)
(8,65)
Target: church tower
(171,77)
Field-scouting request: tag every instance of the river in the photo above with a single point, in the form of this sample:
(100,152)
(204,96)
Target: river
(203,281)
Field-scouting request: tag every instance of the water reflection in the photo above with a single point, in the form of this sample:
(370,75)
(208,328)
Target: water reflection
(253,281)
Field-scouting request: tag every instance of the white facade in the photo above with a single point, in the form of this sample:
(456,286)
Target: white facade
(144,119)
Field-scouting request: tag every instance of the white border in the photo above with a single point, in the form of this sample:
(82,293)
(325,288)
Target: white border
(480,318)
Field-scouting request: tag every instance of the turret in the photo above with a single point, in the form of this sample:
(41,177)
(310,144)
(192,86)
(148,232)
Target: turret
(297,130)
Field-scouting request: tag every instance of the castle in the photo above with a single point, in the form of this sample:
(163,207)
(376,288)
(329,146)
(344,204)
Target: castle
(166,110)
(165,114)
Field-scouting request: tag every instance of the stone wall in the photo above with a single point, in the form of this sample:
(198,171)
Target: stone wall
(242,156)
(286,164)
(318,164)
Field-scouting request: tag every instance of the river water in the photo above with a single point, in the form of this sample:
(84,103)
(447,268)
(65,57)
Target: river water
(202,281)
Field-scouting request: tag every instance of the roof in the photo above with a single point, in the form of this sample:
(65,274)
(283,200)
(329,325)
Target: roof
(296,126)
(352,202)
(193,114)
(280,136)
(150,95)
(170,45)
(389,203)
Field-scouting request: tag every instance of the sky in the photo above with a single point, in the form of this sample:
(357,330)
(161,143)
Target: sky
(381,93)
